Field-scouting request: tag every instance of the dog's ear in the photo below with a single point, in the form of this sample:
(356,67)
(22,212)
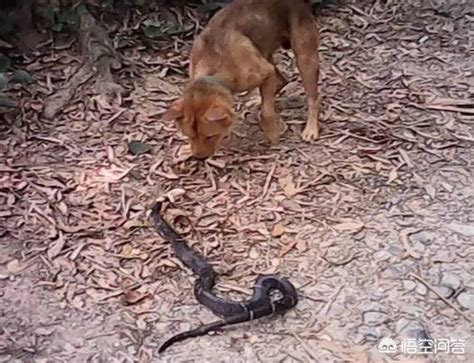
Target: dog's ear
(218,113)
(174,111)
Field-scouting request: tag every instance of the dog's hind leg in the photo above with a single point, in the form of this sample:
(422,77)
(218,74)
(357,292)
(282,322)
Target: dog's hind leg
(305,42)
(282,81)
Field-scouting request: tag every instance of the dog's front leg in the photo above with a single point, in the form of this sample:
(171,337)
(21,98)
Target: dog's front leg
(305,40)
(269,119)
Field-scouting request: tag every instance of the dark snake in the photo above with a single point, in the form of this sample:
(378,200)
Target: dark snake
(262,303)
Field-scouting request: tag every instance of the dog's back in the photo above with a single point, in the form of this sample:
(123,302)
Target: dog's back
(265,22)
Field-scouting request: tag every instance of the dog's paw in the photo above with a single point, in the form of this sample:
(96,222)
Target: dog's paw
(272,129)
(310,133)
(273,136)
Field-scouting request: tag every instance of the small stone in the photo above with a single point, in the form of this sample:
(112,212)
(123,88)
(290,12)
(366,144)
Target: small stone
(369,333)
(466,300)
(451,280)
(444,291)
(253,254)
(411,329)
(464,229)
(409,285)
(13,266)
(421,289)
(374,318)
(423,237)
(131,350)
(69,348)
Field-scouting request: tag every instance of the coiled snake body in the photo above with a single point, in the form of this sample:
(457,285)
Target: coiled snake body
(260,304)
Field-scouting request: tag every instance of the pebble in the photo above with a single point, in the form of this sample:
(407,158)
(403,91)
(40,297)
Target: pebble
(396,270)
(464,229)
(369,333)
(253,254)
(450,280)
(421,289)
(466,300)
(374,318)
(411,329)
(424,237)
(131,350)
(409,285)
(444,291)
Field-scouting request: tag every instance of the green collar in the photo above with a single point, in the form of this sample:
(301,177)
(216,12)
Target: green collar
(215,81)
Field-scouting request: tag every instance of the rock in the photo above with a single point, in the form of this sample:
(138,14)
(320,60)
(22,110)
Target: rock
(444,291)
(411,329)
(450,280)
(253,254)
(423,237)
(421,289)
(409,285)
(374,318)
(14,266)
(466,300)
(369,333)
(464,229)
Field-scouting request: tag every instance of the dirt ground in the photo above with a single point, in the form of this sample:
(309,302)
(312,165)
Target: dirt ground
(373,223)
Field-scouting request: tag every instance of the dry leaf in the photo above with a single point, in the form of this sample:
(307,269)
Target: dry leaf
(288,185)
(216,163)
(133,297)
(253,254)
(392,175)
(278,230)
(430,190)
(353,226)
(287,248)
(56,247)
(174,194)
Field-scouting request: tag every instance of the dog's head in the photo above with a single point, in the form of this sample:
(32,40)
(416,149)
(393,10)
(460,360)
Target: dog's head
(204,114)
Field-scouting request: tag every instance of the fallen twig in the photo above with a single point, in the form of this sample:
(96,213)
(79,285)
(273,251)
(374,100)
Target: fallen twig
(446,301)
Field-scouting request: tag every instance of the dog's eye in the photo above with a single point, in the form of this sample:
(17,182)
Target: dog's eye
(209,138)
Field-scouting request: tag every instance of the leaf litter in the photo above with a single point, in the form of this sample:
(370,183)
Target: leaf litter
(343,211)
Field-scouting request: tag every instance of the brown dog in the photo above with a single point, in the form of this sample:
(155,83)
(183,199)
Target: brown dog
(234,54)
